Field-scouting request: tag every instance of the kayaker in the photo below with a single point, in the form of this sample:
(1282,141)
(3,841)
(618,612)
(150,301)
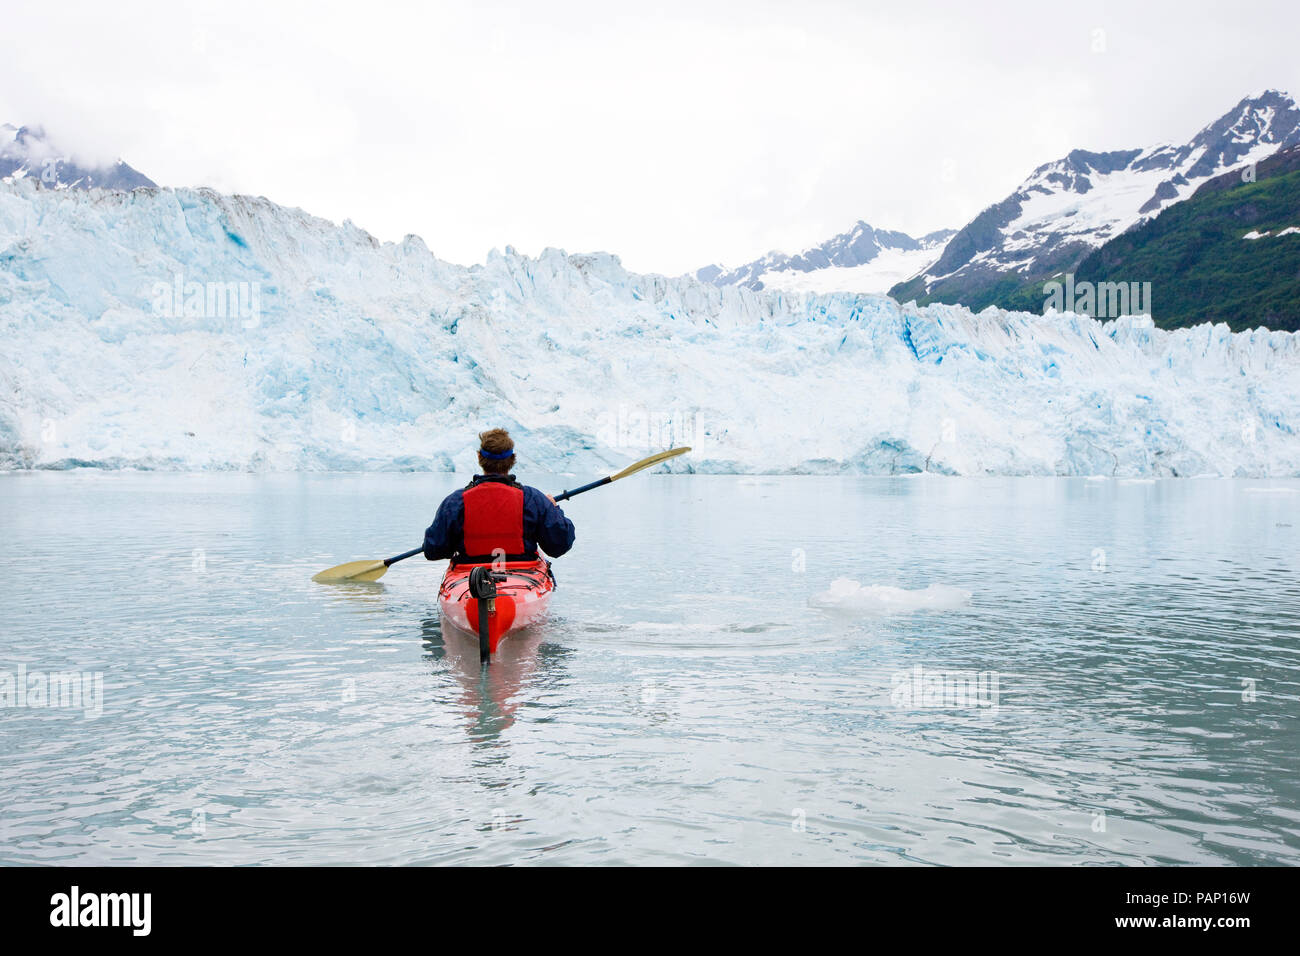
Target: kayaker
(494,517)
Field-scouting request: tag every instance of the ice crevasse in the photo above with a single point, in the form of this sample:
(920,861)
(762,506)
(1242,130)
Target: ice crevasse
(186,329)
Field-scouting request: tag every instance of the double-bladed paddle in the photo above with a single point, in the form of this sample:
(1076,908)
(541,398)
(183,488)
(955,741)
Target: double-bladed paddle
(374,570)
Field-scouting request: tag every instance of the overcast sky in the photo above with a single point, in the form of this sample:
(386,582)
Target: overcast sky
(673,134)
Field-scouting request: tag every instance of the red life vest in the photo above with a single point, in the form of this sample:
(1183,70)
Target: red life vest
(494,520)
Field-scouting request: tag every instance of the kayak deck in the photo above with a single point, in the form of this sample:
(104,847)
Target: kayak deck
(522,598)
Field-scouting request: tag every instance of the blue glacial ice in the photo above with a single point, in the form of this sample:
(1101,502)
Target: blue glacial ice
(313,346)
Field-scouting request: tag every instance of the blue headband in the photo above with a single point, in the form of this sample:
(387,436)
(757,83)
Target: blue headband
(497,455)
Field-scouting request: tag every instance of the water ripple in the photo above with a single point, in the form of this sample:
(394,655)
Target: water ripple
(687,703)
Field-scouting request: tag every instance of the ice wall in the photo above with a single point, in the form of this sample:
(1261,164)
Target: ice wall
(313,346)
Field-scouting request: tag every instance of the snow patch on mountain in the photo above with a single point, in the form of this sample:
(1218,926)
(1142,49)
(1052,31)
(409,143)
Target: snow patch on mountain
(1256,234)
(864,259)
(130,342)
(889,267)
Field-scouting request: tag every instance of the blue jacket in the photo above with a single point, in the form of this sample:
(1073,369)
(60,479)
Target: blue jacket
(545,526)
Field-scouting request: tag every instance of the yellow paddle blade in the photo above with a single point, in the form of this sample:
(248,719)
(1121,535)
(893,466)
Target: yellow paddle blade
(353,571)
(647,462)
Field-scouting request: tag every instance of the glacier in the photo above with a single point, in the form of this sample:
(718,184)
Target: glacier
(355,354)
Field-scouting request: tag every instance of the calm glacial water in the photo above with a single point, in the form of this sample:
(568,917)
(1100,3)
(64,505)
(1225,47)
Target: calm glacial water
(1122,687)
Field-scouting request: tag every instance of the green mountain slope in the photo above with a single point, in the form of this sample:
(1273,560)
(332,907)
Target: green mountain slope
(1068,208)
(1194,254)
(1200,266)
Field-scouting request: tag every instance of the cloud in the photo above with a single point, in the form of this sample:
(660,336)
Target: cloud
(673,134)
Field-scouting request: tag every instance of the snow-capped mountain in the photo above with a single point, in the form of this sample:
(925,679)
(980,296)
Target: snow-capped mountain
(1069,207)
(860,260)
(188,329)
(26,152)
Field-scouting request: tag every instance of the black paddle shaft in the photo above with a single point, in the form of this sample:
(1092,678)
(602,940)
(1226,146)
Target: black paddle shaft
(402,557)
(577,491)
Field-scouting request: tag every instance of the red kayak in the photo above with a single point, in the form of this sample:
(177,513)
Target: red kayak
(523,591)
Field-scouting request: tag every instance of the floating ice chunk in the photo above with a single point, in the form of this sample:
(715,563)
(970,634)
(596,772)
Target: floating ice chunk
(849,596)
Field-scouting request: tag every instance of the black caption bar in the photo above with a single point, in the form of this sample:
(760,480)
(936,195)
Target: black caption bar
(261,905)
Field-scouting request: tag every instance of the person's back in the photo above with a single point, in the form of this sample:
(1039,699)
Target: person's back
(495,518)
